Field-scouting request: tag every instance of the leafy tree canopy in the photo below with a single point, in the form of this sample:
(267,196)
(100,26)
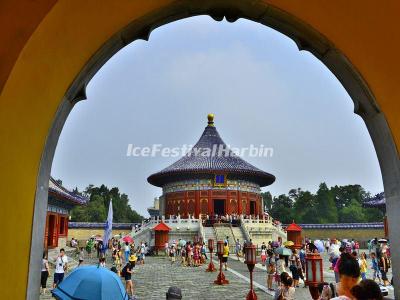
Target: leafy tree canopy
(99,201)
(328,205)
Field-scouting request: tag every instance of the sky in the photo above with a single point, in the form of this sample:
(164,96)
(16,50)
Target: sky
(261,88)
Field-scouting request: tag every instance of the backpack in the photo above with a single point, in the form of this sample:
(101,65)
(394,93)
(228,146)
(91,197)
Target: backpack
(271,267)
(124,271)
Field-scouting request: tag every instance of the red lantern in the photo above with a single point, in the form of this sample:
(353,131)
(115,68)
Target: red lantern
(211,245)
(221,276)
(211,267)
(250,260)
(314,273)
(250,256)
(220,248)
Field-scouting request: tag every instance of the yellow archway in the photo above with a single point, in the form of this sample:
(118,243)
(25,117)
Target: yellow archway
(53,48)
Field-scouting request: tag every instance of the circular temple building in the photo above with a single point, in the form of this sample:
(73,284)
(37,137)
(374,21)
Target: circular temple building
(211,180)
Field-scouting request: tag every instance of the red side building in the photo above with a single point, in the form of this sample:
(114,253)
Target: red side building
(161,236)
(211,180)
(294,235)
(60,203)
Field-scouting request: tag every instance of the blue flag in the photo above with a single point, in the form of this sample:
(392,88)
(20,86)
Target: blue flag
(108,227)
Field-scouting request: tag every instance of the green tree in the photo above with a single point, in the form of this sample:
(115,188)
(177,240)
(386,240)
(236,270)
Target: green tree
(96,210)
(99,201)
(343,195)
(282,209)
(373,215)
(79,214)
(354,212)
(325,205)
(267,200)
(304,208)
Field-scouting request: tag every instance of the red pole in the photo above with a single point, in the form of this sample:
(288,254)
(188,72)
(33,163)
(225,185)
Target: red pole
(251,281)
(221,276)
(211,267)
(251,295)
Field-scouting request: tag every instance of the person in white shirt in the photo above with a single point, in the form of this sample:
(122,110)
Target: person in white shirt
(102,262)
(142,252)
(166,248)
(327,245)
(44,274)
(127,251)
(61,263)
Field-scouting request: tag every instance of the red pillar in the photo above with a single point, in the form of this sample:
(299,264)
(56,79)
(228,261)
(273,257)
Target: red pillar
(257,206)
(197,204)
(210,203)
(239,198)
(185,204)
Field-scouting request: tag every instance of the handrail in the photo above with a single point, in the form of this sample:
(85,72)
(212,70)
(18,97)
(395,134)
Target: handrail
(201,230)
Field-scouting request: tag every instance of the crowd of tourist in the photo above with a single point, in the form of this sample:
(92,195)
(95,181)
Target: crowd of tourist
(61,267)
(349,265)
(284,272)
(190,254)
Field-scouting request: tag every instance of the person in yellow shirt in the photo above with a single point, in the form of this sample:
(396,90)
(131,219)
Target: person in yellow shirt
(225,255)
(363,266)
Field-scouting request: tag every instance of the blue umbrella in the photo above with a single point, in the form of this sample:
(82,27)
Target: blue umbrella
(320,246)
(283,251)
(275,244)
(91,283)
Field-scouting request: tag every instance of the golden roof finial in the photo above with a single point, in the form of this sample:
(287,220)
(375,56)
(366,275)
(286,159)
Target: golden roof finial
(210,118)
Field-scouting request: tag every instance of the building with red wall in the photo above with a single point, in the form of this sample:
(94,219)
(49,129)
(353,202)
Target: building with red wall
(211,180)
(60,203)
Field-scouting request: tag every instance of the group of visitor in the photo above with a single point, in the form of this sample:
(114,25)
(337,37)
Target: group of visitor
(379,253)
(350,285)
(61,266)
(350,268)
(190,254)
(285,271)
(278,264)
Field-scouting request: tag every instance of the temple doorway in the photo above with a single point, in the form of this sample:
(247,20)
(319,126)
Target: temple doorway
(252,207)
(219,207)
(51,240)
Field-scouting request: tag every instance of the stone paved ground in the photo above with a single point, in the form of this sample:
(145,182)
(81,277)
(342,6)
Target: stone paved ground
(153,279)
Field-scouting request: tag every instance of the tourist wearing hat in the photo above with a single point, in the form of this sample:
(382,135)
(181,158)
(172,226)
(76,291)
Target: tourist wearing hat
(174,293)
(127,273)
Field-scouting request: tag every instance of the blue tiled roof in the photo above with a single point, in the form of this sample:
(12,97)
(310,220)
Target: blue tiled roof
(378,200)
(100,225)
(196,162)
(374,225)
(62,192)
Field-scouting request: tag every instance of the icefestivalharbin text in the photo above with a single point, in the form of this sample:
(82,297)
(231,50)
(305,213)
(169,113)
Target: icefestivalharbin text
(216,151)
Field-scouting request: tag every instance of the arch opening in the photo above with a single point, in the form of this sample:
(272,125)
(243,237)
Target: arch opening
(305,37)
